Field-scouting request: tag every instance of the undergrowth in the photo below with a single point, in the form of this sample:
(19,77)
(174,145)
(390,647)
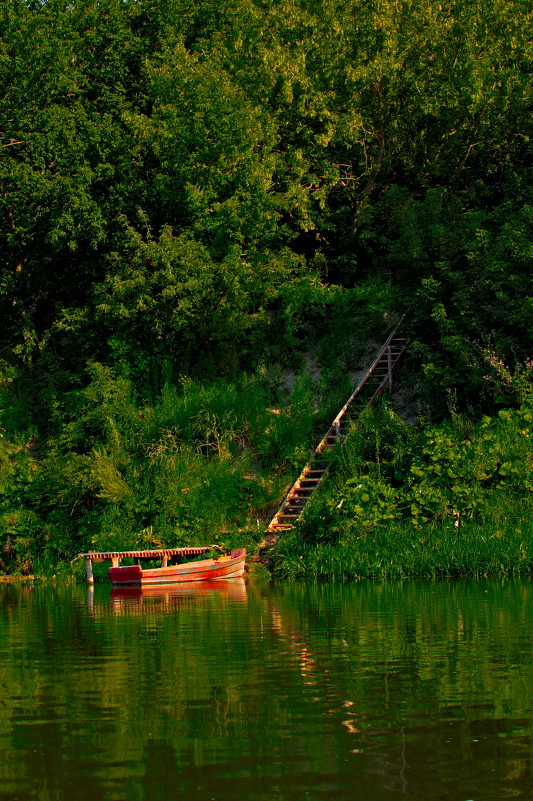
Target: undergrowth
(208,462)
(426,500)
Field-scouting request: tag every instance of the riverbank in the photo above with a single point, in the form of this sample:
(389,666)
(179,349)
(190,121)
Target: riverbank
(400,500)
(453,499)
(401,552)
(470,550)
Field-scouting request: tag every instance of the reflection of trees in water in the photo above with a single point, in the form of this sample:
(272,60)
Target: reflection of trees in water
(417,688)
(439,673)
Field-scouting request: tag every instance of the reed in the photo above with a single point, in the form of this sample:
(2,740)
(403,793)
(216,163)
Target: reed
(496,546)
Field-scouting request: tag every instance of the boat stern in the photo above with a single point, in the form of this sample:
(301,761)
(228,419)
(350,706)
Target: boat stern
(129,574)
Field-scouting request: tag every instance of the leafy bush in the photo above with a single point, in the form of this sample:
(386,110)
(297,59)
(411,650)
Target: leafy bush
(423,476)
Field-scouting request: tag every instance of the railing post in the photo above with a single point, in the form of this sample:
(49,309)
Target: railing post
(89,568)
(389,366)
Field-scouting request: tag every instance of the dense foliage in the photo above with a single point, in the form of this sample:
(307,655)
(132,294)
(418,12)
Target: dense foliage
(194,192)
(448,499)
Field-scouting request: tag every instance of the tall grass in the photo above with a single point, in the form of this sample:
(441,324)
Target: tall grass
(447,500)
(492,547)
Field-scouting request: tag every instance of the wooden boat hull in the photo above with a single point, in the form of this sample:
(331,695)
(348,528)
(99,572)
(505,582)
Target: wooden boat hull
(226,567)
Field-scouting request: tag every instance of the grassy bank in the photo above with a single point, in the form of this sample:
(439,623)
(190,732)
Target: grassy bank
(210,462)
(206,463)
(454,499)
(403,551)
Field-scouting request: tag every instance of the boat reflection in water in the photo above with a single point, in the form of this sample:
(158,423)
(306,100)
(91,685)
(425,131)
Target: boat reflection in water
(167,597)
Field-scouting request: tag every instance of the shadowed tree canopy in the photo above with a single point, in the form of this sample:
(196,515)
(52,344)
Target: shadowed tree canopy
(167,167)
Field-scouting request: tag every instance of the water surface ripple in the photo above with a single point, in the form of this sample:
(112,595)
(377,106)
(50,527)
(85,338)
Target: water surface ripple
(361,691)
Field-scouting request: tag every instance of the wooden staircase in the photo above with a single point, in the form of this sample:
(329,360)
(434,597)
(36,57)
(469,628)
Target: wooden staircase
(378,378)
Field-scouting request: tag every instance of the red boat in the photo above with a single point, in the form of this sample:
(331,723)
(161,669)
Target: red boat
(226,567)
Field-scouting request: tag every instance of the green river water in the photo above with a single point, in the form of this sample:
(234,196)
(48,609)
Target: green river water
(377,691)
